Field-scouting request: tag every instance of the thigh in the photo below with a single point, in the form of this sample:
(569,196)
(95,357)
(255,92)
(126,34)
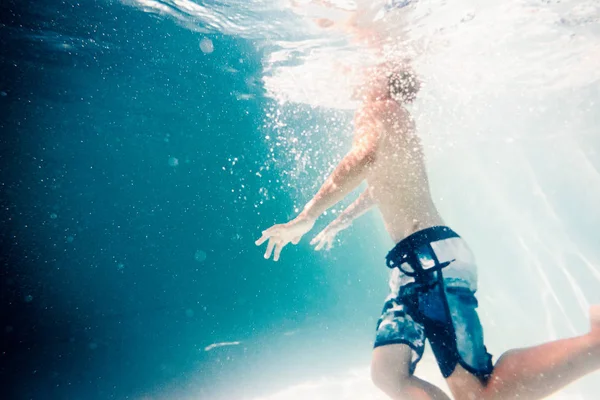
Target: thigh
(391,371)
(397,329)
(391,364)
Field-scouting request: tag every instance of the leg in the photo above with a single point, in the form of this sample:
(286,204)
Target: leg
(390,372)
(535,372)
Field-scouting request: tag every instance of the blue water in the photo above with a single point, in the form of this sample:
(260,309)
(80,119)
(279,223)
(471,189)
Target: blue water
(139,164)
(127,235)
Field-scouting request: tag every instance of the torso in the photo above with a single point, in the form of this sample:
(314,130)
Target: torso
(397,177)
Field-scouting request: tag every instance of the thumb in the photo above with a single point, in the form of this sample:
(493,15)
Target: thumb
(296,240)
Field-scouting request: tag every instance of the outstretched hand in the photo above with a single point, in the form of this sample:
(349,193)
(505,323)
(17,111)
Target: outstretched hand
(281,234)
(325,238)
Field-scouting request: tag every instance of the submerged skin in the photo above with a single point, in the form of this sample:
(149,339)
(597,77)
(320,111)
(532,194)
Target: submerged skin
(387,154)
(396,176)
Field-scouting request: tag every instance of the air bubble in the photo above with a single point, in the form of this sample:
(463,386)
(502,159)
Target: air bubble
(200,256)
(207,46)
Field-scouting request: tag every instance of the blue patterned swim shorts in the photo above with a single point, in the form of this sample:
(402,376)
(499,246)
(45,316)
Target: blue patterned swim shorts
(433,298)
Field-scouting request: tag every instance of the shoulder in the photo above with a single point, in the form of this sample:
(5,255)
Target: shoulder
(389,112)
(376,110)
(387,108)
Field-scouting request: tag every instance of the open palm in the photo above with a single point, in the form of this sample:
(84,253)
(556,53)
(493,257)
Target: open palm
(325,238)
(281,234)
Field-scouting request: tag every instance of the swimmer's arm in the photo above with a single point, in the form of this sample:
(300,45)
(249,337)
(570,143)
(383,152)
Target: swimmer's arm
(360,206)
(349,173)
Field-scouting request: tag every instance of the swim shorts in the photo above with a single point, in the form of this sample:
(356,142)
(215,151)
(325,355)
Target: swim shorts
(432,297)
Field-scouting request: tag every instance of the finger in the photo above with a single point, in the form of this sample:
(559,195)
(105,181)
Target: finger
(320,245)
(269,248)
(329,244)
(296,240)
(262,239)
(317,238)
(278,249)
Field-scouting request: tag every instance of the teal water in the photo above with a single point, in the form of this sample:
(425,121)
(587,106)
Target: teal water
(130,204)
(145,144)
